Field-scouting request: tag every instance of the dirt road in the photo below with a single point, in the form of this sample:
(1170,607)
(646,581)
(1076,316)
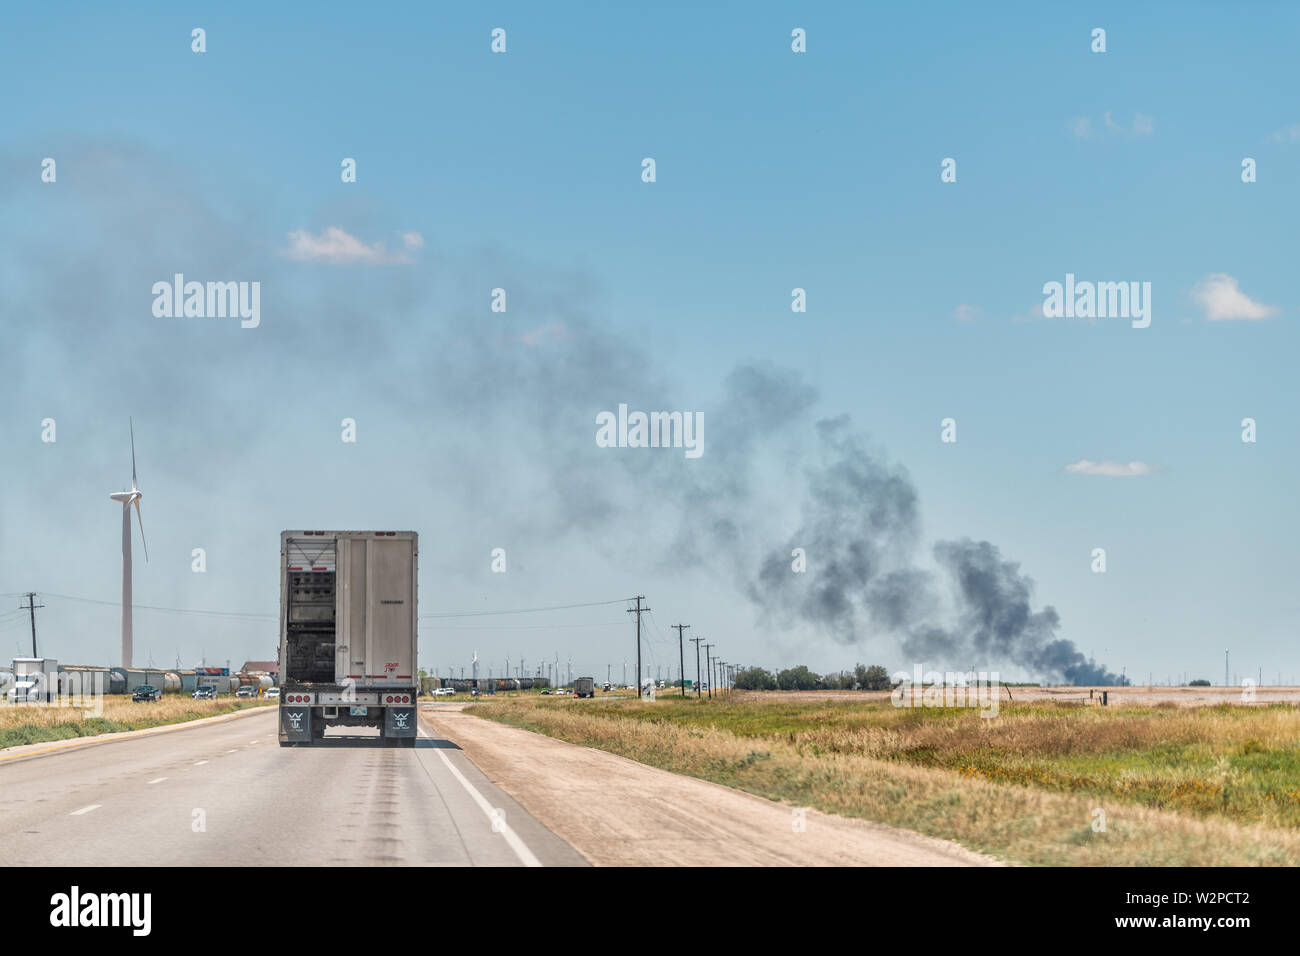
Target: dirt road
(618,812)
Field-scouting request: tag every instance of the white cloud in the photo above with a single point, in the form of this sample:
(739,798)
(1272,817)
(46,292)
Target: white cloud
(1110,469)
(1032,313)
(413,240)
(1081,126)
(555,332)
(966,312)
(1290,134)
(1221,298)
(338,246)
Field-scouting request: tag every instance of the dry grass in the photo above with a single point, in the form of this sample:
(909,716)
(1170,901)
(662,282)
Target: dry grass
(39,723)
(1178,786)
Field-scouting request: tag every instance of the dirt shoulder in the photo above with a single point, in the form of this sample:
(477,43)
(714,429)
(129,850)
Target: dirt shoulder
(618,812)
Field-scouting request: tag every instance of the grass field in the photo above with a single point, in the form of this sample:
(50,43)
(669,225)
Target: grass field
(38,723)
(1177,785)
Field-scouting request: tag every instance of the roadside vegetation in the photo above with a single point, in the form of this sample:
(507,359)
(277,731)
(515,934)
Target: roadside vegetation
(1171,785)
(40,723)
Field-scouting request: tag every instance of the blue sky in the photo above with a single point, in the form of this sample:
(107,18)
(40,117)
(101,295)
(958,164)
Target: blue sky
(774,171)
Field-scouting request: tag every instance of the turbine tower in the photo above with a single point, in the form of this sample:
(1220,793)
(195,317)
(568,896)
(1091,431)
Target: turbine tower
(127,498)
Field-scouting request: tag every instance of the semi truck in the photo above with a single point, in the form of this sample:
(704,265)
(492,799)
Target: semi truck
(348,613)
(584,687)
(36,679)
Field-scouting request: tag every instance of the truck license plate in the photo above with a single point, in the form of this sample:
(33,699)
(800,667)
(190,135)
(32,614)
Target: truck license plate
(359,711)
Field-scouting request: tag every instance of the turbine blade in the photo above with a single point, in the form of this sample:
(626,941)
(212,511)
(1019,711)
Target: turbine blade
(142,540)
(133,486)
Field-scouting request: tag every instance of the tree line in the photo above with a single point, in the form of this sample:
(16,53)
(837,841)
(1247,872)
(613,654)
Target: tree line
(861,677)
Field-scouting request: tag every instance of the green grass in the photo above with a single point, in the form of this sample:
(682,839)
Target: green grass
(34,724)
(1189,786)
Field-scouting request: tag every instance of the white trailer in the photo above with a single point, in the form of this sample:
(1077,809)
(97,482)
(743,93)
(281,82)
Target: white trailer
(348,628)
(35,679)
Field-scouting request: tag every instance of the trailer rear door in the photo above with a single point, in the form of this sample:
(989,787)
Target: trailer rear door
(377,602)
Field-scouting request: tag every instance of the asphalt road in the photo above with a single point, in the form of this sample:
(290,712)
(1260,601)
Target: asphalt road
(228,794)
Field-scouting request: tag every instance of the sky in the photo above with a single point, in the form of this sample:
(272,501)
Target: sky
(774,170)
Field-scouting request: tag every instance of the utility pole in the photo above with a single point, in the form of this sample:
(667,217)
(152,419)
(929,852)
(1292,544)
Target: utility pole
(638,611)
(1225,668)
(708,661)
(607,670)
(696,642)
(681,653)
(31,610)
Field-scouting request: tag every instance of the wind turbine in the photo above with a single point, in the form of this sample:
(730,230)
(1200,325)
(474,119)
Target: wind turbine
(127,498)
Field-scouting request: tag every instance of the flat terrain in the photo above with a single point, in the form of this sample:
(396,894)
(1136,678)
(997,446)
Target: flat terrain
(225,793)
(623,813)
(1047,782)
(107,714)
(1182,696)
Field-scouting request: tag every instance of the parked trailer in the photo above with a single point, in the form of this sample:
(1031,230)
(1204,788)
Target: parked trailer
(129,678)
(348,612)
(82,680)
(35,679)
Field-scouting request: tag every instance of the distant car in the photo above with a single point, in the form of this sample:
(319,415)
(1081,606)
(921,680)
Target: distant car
(245,691)
(273,692)
(146,692)
(608,687)
(546,693)
(444,692)
(205,692)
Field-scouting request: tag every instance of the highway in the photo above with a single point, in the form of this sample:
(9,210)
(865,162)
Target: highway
(227,794)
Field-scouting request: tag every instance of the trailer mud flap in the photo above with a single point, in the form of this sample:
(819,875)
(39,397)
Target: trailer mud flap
(295,724)
(399,722)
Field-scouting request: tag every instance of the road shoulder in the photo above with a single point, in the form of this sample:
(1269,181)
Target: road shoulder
(618,812)
(49,747)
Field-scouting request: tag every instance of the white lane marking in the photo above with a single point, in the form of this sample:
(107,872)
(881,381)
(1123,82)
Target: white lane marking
(93,806)
(158,780)
(521,850)
(199,763)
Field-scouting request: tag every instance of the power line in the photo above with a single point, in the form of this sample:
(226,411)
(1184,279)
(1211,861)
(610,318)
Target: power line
(639,610)
(518,627)
(170,610)
(31,609)
(522,610)
(681,652)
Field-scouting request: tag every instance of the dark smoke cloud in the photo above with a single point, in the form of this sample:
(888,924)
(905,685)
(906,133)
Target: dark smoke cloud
(859,528)
(504,404)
